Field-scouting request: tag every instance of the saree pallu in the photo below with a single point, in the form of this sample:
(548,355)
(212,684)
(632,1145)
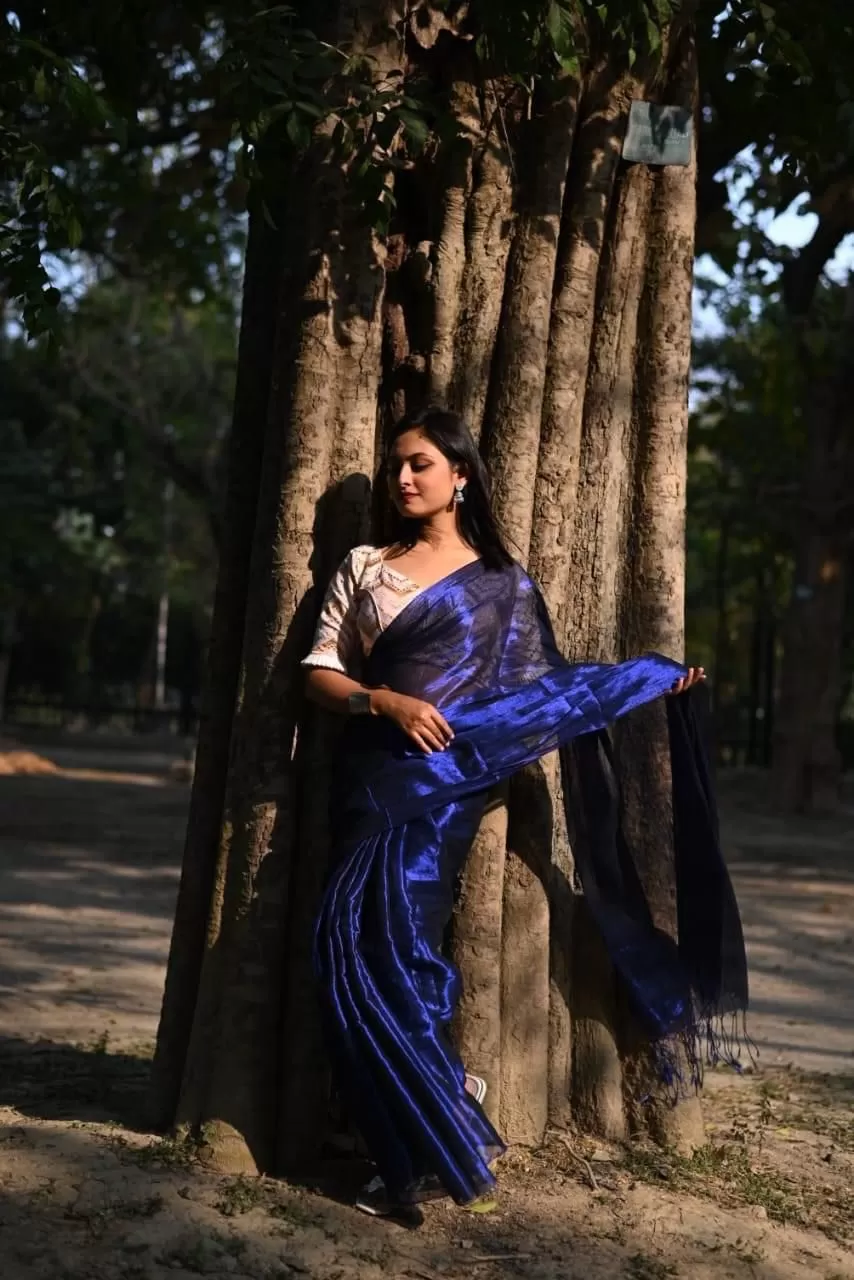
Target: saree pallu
(479,645)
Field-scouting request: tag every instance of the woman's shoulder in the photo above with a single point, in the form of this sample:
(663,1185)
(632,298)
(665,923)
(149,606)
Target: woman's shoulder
(359,561)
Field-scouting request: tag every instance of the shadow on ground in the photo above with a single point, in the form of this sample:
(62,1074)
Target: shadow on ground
(49,1081)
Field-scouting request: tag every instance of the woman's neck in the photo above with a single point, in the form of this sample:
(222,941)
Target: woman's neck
(441,535)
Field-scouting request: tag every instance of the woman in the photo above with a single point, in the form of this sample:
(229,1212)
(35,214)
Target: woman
(439,648)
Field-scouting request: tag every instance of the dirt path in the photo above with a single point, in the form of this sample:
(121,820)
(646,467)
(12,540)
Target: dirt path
(88,874)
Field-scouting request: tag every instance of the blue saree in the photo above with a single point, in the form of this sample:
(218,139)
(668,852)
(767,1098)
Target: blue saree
(479,645)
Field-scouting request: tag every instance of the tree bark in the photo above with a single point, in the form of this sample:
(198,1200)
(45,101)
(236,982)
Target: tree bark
(544,291)
(311,505)
(597,553)
(199,893)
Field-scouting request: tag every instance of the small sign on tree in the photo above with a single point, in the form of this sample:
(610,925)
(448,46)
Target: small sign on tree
(658,134)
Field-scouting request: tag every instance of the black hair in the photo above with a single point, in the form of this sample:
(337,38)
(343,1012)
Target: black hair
(478,525)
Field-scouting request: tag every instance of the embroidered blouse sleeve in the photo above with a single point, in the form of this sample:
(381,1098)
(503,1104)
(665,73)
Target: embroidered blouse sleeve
(336,645)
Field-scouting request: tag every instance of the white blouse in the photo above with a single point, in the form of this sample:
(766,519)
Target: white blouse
(365,595)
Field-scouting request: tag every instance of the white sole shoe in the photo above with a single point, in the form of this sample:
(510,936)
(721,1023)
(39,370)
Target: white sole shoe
(476,1086)
(373,1199)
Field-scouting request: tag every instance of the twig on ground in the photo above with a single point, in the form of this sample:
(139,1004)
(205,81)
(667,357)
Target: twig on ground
(500,1257)
(581,1160)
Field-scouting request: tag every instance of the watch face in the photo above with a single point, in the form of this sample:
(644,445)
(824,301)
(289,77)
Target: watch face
(360,703)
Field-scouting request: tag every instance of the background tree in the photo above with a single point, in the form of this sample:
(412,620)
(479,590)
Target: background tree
(92,441)
(115,144)
(807,165)
(748,443)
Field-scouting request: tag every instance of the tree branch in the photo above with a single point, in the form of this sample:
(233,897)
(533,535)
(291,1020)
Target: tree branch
(138,137)
(803,272)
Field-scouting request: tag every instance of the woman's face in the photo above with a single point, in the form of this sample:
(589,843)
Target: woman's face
(420,478)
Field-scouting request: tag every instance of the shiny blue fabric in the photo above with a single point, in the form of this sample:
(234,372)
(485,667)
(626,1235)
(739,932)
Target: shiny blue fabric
(479,646)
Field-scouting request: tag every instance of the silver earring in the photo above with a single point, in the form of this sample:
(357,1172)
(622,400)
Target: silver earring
(459,495)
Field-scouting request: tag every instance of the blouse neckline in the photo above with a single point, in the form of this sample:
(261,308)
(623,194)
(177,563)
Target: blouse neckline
(421,586)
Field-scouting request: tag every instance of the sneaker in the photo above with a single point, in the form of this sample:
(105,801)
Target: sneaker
(476,1086)
(373,1199)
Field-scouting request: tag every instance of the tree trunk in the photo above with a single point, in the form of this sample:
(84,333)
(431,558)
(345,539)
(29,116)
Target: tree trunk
(542,286)
(200,890)
(806,761)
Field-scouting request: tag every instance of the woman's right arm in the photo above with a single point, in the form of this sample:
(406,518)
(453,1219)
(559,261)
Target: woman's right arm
(331,690)
(421,721)
(334,653)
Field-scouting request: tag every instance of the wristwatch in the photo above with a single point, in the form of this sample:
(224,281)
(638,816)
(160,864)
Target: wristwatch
(359,704)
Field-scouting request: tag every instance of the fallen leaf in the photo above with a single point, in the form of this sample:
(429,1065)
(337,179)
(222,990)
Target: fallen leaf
(482,1206)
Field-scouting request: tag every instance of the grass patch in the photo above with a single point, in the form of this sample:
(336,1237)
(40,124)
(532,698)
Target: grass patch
(291,1214)
(723,1171)
(764,1152)
(178,1151)
(241,1195)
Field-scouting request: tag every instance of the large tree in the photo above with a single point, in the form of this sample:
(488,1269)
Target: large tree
(542,286)
(530,277)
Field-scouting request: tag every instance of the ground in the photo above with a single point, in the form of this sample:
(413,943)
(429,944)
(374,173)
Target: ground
(88,873)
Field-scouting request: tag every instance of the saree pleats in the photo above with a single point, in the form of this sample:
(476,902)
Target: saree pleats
(389,995)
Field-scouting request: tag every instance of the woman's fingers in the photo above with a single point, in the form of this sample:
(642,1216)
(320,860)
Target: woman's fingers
(433,733)
(441,726)
(428,738)
(694,676)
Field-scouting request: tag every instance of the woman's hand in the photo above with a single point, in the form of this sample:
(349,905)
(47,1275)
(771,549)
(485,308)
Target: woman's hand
(695,676)
(419,720)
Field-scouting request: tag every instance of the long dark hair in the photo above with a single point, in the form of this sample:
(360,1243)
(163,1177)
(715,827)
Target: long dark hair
(478,525)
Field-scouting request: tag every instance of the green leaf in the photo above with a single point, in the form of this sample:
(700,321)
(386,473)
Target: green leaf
(74,230)
(415,127)
(653,36)
(297,130)
(560,27)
